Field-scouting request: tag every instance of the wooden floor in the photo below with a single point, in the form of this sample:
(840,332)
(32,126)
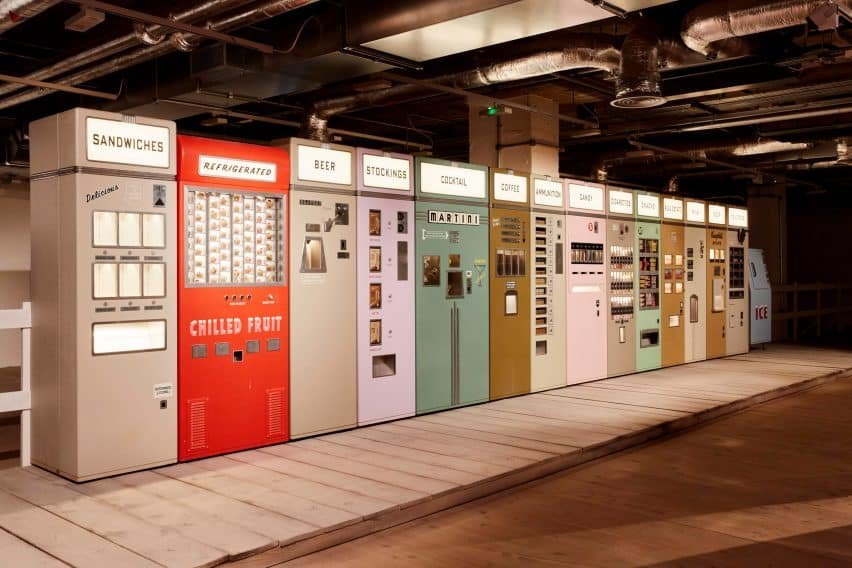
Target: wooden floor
(263,507)
(771,486)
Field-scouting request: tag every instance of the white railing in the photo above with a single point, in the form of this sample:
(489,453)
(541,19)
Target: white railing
(19,401)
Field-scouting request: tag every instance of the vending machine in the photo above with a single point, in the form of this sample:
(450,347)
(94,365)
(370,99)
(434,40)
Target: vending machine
(717,277)
(233,307)
(695,287)
(104,259)
(621,282)
(323,338)
(648,315)
(509,363)
(586,300)
(547,298)
(451,316)
(760,298)
(385,205)
(737,335)
(674,277)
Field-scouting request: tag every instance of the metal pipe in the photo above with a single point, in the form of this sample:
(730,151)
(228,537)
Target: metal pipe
(123,43)
(13,12)
(265,10)
(713,22)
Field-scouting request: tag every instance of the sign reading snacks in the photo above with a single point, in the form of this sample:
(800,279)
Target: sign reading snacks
(585,197)
(453,218)
(386,172)
(119,142)
(737,217)
(648,205)
(508,187)
(695,211)
(716,214)
(231,168)
(452,180)
(324,165)
(548,192)
(673,209)
(620,202)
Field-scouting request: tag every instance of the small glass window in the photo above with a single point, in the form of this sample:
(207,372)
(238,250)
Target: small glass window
(129,230)
(104,228)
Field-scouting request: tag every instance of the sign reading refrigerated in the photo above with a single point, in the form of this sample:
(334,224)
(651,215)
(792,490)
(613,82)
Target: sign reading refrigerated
(620,202)
(648,205)
(453,218)
(451,180)
(508,187)
(324,165)
(548,192)
(585,197)
(386,172)
(673,209)
(232,168)
(119,142)
(737,217)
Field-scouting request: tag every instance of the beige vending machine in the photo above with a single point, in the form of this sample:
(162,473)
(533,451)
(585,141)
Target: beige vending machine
(695,294)
(621,282)
(548,289)
(737,334)
(103,220)
(323,363)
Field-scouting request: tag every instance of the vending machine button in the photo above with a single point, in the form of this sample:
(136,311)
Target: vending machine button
(222,349)
(253,346)
(199,351)
(273,344)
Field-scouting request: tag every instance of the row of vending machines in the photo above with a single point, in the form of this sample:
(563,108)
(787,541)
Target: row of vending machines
(194,297)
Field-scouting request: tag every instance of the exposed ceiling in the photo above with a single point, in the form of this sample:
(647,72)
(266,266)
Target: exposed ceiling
(786,84)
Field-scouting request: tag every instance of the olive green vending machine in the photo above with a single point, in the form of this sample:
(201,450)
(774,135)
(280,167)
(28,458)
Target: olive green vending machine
(547,247)
(648,314)
(510,284)
(451,295)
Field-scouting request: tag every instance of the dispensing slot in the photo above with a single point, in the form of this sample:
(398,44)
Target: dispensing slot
(510,303)
(541,347)
(402,260)
(693,309)
(649,338)
(384,365)
(313,255)
(455,284)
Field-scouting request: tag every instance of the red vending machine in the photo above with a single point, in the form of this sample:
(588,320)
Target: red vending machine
(233,309)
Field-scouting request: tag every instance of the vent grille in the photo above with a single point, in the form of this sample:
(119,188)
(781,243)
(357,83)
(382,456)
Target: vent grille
(197,424)
(274,413)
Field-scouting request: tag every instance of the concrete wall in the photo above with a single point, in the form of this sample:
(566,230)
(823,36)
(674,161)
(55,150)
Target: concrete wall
(14,264)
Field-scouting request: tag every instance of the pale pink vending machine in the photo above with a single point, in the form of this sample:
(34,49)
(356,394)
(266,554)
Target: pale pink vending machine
(586,306)
(385,286)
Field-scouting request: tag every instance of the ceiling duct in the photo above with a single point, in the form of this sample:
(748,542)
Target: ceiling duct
(247,17)
(714,22)
(638,81)
(590,54)
(13,12)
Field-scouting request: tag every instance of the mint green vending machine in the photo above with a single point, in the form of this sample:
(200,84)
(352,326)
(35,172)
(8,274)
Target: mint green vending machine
(648,337)
(451,275)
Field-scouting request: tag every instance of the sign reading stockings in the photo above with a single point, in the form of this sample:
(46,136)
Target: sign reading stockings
(548,192)
(128,143)
(673,209)
(452,181)
(232,168)
(695,211)
(585,197)
(324,165)
(648,205)
(386,172)
(453,218)
(737,217)
(620,202)
(508,187)
(716,214)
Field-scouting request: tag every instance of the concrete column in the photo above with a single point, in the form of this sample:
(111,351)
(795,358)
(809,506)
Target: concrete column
(767,205)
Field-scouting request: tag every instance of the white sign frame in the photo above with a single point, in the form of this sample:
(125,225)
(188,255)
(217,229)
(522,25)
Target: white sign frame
(696,212)
(378,181)
(270,175)
(586,197)
(738,217)
(307,157)
(502,180)
(553,193)
(434,180)
(119,130)
(615,197)
(673,209)
(648,205)
(716,214)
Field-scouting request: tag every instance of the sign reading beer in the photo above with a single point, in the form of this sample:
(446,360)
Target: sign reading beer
(508,187)
(737,217)
(119,142)
(324,165)
(695,211)
(232,168)
(452,180)
(648,205)
(716,214)
(620,202)
(386,172)
(673,209)
(585,197)
(548,192)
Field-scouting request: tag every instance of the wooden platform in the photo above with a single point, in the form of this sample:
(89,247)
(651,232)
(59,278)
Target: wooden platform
(262,507)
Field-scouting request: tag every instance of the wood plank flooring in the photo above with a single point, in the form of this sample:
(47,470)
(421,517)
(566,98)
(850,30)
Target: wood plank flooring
(266,506)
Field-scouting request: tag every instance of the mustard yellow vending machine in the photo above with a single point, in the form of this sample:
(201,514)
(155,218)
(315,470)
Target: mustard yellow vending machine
(674,278)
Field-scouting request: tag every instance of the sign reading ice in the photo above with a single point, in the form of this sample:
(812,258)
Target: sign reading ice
(128,143)
(585,197)
(548,192)
(508,187)
(324,165)
(648,205)
(452,180)
(386,172)
(232,168)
